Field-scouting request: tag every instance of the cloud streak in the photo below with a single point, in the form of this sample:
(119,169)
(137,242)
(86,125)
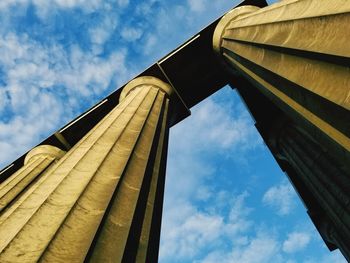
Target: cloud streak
(40,79)
(282,198)
(296,241)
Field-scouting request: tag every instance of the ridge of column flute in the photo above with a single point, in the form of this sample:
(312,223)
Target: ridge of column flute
(102,200)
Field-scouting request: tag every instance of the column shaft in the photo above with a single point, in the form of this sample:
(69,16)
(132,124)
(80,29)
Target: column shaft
(296,54)
(36,162)
(95,204)
(324,179)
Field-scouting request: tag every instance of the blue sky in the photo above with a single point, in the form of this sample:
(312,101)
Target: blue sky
(226,200)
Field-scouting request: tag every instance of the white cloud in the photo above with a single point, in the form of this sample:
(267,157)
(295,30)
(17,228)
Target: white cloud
(7,3)
(29,62)
(239,212)
(43,87)
(186,231)
(296,241)
(281,197)
(101,33)
(131,34)
(197,5)
(331,257)
(184,239)
(192,143)
(214,128)
(196,140)
(248,243)
(203,193)
(260,249)
(46,7)
(150,44)
(123,3)
(144,8)
(181,16)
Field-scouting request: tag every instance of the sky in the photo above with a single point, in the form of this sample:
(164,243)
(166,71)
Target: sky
(226,199)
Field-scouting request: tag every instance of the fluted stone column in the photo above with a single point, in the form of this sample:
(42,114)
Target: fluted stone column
(323,177)
(297,54)
(102,201)
(36,162)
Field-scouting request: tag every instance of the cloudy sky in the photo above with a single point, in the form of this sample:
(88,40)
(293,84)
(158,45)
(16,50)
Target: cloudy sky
(226,199)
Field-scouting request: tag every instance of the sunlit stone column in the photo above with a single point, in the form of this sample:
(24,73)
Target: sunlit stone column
(36,162)
(102,201)
(297,54)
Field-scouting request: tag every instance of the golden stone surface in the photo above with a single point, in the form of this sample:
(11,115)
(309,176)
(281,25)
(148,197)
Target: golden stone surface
(289,40)
(296,54)
(35,163)
(88,201)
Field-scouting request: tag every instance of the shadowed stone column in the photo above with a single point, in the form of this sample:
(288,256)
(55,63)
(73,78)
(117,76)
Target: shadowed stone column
(323,177)
(102,201)
(296,53)
(35,163)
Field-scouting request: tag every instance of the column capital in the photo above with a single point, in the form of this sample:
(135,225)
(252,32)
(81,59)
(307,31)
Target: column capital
(44,150)
(146,80)
(224,22)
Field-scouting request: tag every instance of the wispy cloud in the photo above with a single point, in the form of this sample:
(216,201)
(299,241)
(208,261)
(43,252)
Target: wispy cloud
(123,3)
(101,33)
(187,231)
(281,197)
(260,249)
(131,33)
(296,241)
(39,78)
(331,257)
(200,139)
(197,5)
(43,5)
